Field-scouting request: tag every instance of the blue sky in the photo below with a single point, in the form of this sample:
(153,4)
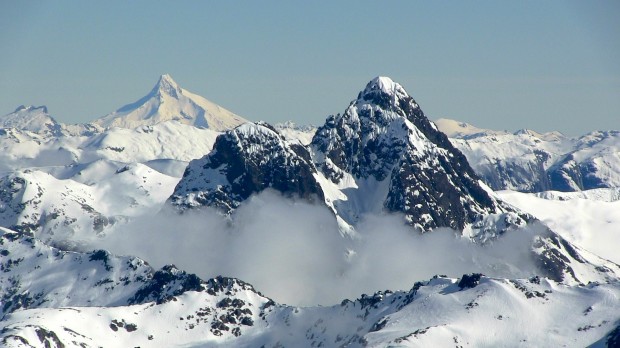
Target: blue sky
(543,65)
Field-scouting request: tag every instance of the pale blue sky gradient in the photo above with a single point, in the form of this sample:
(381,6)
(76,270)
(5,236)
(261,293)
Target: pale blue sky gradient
(543,65)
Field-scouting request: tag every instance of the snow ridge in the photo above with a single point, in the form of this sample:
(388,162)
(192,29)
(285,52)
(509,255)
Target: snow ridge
(529,161)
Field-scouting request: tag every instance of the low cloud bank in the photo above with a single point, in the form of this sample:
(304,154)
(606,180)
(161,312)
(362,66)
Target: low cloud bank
(291,250)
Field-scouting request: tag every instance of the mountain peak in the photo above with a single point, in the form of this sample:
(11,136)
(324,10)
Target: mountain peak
(383,83)
(247,160)
(43,108)
(31,118)
(382,89)
(384,136)
(166,85)
(169,102)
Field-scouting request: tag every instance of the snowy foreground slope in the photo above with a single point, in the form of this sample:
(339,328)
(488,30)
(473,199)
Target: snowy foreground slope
(67,189)
(590,219)
(97,299)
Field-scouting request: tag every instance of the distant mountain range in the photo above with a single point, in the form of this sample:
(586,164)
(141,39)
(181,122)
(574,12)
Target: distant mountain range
(175,152)
(533,162)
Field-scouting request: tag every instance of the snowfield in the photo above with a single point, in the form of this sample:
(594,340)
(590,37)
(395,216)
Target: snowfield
(588,219)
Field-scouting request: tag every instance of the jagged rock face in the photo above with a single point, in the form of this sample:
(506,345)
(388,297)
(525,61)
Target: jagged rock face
(521,174)
(247,160)
(438,196)
(385,135)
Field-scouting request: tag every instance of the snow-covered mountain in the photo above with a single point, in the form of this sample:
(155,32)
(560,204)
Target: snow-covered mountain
(292,131)
(65,192)
(31,118)
(164,141)
(245,161)
(532,162)
(589,219)
(62,299)
(167,102)
(92,198)
(381,154)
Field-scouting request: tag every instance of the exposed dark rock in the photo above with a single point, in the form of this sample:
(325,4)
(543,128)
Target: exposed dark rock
(613,338)
(165,284)
(384,135)
(244,161)
(101,255)
(469,280)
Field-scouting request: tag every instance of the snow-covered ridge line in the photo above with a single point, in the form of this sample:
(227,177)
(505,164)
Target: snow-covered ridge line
(534,162)
(474,310)
(167,101)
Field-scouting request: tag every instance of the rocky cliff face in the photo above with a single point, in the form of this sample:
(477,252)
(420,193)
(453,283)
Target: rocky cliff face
(385,136)
(247,160)
(382,153)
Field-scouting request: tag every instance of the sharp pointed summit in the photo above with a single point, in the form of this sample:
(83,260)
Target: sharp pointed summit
(385,143)
(166,85)
(382,85)
(167,101)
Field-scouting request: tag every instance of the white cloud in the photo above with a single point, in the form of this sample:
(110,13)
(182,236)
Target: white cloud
(291,250)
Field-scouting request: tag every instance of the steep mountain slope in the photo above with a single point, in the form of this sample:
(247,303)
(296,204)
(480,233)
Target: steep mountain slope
(166,102)
(589,219)
(384,146)
(382,153)
(380,156)
(593,163)
(533,162)
(247,160)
